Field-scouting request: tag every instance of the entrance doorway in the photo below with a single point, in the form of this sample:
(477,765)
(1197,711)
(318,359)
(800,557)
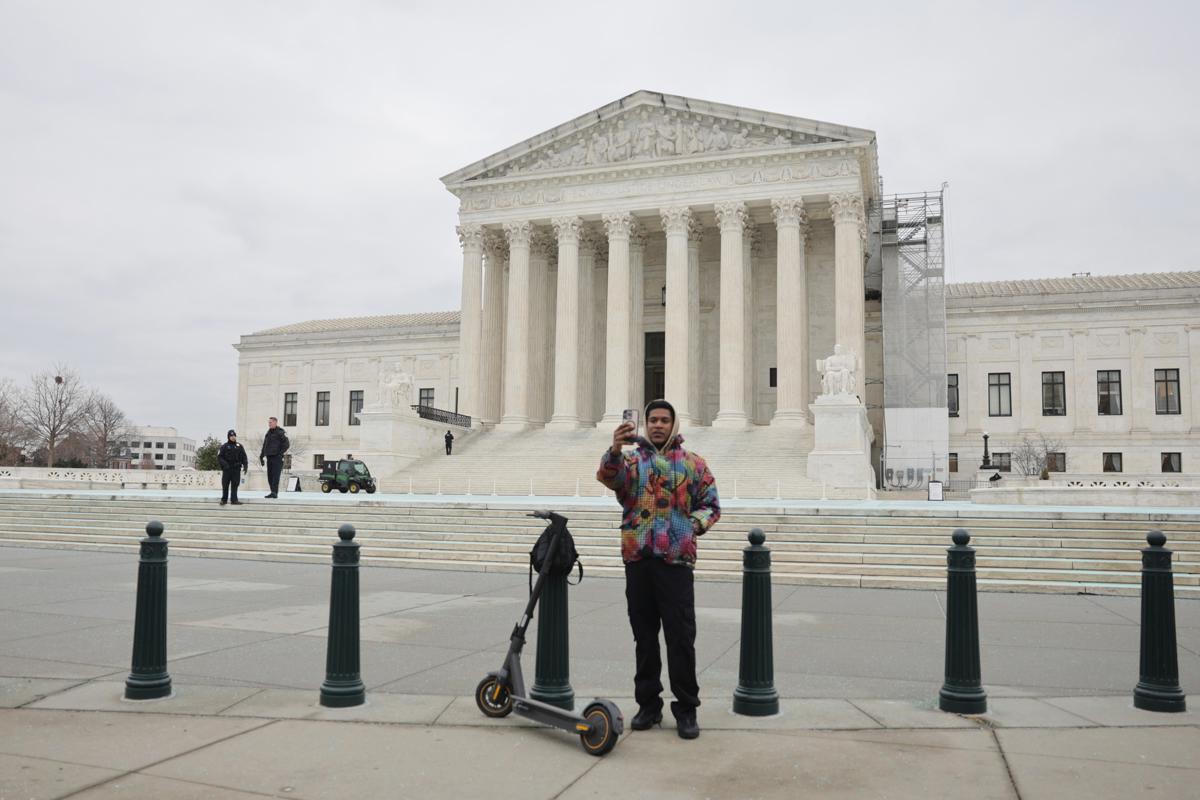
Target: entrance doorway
(656,367)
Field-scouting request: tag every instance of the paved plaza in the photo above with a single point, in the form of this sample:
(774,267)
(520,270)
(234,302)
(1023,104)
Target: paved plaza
(858,671)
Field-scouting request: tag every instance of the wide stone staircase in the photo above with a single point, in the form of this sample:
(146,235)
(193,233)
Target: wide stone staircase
(867,545)
(759,463)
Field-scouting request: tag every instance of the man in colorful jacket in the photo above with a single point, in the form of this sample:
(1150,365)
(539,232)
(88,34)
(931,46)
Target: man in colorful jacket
(669,498)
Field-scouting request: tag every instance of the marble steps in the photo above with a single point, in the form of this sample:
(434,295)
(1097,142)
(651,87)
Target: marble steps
(604,544)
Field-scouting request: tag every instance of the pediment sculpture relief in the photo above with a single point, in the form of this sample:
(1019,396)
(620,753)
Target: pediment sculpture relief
(645,135)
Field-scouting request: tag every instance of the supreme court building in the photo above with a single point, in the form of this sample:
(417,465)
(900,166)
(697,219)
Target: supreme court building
(663,246)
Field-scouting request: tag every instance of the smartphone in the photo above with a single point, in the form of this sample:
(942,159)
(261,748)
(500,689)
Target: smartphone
(631,415)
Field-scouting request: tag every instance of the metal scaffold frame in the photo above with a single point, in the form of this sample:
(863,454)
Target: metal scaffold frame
(913,273)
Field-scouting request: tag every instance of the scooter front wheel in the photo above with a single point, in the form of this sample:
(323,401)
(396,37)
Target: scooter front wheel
(493,698)
(603,735)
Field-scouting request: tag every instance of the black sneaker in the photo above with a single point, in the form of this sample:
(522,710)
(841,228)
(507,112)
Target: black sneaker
(270,496)
(687,726)
(236,503)
(646,718)
(223,502)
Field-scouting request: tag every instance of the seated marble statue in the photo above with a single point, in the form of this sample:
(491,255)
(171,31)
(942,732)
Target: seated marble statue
(838,372)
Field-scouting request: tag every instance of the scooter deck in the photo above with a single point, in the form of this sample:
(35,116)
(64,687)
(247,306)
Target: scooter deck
(547,714)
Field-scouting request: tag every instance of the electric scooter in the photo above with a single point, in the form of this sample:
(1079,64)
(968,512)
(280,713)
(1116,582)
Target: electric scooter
(503,691)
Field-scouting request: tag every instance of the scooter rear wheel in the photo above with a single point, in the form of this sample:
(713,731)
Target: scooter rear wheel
(493,698)
(603,735)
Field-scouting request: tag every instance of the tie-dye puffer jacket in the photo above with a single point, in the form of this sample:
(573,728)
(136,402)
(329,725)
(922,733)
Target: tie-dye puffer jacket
(661,492)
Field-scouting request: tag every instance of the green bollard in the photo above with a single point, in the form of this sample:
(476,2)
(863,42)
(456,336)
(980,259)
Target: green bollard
(148,679)
(343,684)
(755,695)
(962,692)
(552,675)
(1158,687)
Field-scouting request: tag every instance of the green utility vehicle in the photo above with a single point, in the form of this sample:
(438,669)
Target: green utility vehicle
(346,475)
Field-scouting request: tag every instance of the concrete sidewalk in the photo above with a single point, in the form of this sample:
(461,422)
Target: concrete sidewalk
(858,671)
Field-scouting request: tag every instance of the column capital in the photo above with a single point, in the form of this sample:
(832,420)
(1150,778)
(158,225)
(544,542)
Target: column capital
(567,229)
(847,208)
(590,239)
(637,236)
(543,244)
(695,231)
(495,246)
(518,233)
(731,216)
(470,236)
(618,224)
(676,220)
(789,211)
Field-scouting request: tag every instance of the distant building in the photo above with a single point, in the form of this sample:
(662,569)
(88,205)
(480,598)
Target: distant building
(158,447)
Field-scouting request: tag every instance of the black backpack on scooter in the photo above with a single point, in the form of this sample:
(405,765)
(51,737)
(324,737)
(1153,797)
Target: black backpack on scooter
(566,557)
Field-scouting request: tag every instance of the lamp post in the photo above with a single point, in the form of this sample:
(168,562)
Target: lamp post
(987,459)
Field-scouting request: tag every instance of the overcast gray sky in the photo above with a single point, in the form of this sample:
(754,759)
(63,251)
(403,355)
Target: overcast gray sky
(175,174)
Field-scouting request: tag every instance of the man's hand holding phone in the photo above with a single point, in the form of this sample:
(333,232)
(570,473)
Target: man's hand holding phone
(626,432)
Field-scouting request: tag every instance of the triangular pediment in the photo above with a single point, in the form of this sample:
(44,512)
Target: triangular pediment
(648,126)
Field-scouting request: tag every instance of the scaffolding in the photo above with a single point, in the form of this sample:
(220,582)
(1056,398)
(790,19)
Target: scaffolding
(912,273)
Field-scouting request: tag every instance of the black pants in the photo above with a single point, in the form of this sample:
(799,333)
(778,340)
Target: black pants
(274,470)
(661,594)
(447,448)
(230,479)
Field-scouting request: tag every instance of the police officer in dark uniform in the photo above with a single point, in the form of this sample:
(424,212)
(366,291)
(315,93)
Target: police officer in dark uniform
(275,444)
(449,441)
(232,458)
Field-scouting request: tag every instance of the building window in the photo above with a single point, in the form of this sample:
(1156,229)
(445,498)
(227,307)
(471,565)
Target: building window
(146,444)
(1166,392)
(1056,462)
(1002,462)
(356,404)
(1054,394)
(1112,462)
(170,456)
(1172,462)
(318,460)
(289,410)
(170,445)
(426,398)
(952,394)
(999,394)
(158,445)
(158,457)
(772,376)
(1108,391)
(322,408)
(953,462)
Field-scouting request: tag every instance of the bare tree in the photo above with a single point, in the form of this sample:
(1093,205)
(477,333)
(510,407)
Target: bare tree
(12,433)
(53,406)
(1031,455)
(104,423)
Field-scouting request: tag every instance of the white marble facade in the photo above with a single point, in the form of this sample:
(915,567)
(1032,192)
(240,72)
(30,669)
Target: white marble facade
(726,230)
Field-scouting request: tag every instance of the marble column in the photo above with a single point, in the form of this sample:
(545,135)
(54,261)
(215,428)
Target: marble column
(599,369)
(848,234)
(1189,377)
(676,223)
(751,244)
(637,312)
(516,336)
(470,236)
(567,314)
(791,304)
(618,348)
(492,345)
(587,320)
(732,218)
(542,247)
(695,352)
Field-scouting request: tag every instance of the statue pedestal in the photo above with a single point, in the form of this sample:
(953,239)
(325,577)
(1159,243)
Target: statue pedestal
(841,455)
(390,439)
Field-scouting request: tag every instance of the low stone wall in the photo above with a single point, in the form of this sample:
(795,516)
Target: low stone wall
(1049,494)
(55,478)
